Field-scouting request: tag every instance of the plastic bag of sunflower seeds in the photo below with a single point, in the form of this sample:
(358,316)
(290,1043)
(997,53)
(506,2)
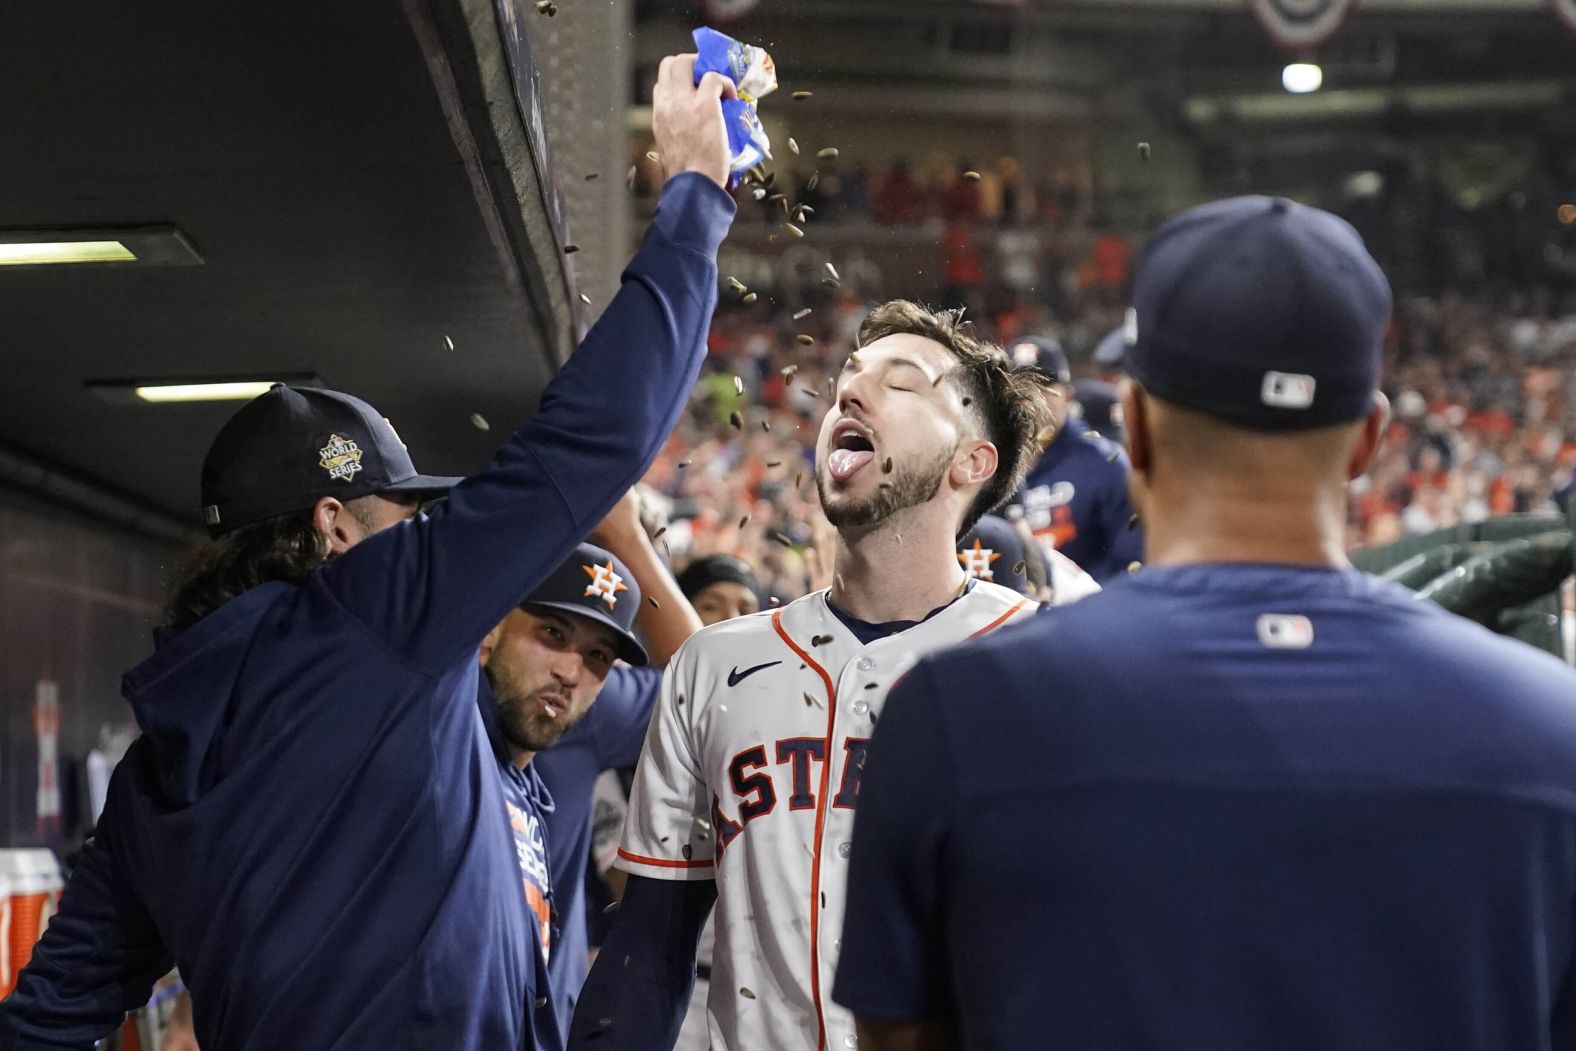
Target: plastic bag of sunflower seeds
(754,75)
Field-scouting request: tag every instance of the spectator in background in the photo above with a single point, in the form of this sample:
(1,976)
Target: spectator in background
(1075,498)
(720,587)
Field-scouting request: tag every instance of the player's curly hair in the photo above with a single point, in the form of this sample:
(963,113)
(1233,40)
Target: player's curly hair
(1007,404)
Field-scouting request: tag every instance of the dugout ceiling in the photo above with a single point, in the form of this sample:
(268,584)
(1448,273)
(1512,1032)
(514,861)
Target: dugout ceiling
(354,214)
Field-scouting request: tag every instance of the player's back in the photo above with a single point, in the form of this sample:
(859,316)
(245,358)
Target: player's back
(1257,807)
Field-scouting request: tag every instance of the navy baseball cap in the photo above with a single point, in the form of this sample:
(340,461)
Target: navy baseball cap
(1110,351)
(1101,408)
(1040,352)
(711,569)
(593,583)
(994,551)
(285,450)
(1262,312)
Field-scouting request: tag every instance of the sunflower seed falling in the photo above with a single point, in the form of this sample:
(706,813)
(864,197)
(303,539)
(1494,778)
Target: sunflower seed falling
(626,960)
(886,466)
(749,297)
(604,1022)
(1134,522)
(653,155)
(840,585)
(967,401)
(815,177)
(831,271)
(807,340)
(654,603)
(798,479)
(789,373)
(737,421)
(791,228)
(585,299)
(480,422)
(1017,567)
(820,640)
(766,425)
(775,601)
(812,701)
(546,7)
(871,685)
(853,359)
(972,176)
(610,909)
(592,177)
(571,249)
(1045,435)
(799,215)
(1143,151)
(680,702)
(541,1002)
(759,193)
(828,154)
(449,342)
(810,391)
(773,463)
(784,541)
(800,315)
(744,992)
(800,96)
(687,852)
(737,285)
(823,899)
(682,463)
(738,385)
(794,146)
(744,521)
(629,178)
(1111,457)
(1134,567)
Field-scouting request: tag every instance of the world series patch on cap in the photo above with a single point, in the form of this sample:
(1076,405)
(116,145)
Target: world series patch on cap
(593,583)
(1260,311)
(285,450)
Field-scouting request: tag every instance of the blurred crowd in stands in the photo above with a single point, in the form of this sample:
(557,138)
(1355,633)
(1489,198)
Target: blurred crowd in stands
(1482,378)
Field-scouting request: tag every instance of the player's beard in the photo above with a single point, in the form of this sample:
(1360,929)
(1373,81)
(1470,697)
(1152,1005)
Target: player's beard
(908,486)
(520,718)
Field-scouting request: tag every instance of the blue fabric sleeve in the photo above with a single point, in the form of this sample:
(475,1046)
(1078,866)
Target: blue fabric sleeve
(894,961)
(97,960)
(1124,546)
(639,988)
(624,710)
(429,589)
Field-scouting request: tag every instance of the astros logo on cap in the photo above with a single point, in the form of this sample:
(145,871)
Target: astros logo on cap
(341,458)
(605,584)
(977,559)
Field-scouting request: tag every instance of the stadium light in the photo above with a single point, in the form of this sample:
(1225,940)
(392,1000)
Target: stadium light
(1300,78)
(247,389)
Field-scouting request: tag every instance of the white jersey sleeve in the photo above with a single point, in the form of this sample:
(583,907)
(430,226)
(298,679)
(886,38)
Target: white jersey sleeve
(1068,581)
(667,834)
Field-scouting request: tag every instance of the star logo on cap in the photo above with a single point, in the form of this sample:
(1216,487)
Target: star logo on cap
(976,560)
(605,584)
(341,458)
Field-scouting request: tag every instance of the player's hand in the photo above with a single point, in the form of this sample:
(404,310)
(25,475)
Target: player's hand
(686,119)
(622,524)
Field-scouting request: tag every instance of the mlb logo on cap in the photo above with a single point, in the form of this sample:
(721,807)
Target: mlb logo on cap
(1286,390)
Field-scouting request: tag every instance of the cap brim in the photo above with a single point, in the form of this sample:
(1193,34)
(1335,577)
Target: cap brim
(630,651)
(422,483)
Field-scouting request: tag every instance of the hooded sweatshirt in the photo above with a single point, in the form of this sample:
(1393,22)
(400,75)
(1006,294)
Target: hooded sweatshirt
(312,825)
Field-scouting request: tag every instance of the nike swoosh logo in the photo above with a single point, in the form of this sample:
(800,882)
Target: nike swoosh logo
(736,676)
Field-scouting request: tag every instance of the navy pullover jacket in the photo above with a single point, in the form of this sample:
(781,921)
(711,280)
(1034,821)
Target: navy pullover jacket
(312,825)
(1075,500)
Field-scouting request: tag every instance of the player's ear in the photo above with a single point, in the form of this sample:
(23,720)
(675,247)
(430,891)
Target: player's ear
(1135,420)
(490,643)
(1371,438)
(337,526)
(974,463)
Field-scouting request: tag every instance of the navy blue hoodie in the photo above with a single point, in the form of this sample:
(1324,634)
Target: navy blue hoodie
(312,825)
(1075,500)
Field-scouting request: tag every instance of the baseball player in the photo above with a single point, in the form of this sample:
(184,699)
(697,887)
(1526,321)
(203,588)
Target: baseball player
(995,550)
(1075,496)
(311,824)
(1296,807)
(746,791)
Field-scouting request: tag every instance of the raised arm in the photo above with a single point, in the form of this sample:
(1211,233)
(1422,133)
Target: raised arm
(431,588)
(666,618)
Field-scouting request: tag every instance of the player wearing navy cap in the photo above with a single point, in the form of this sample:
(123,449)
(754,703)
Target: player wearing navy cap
(311,824)
(1075,497)
(1295,807)
(995,550)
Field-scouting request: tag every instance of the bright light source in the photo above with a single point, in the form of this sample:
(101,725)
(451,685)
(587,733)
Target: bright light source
(1299,78)
(1365,184)
(204,391)
(1567,213)
(40,252)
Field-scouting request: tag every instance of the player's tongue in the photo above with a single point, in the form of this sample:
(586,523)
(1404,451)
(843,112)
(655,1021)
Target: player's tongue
(842,463)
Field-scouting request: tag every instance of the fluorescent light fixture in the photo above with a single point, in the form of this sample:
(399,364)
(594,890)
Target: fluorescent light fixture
(1300,78)
(243,390)
(42,253)
(170,390)
(112,246)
